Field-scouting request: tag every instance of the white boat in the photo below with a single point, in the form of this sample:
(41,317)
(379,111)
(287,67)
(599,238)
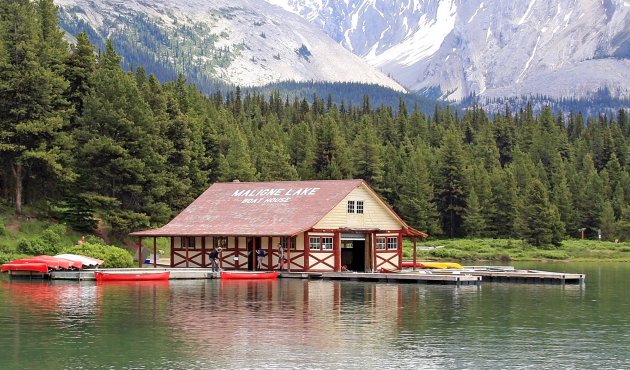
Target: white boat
(86,261)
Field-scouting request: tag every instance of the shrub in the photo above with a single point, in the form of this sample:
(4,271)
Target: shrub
(3,229)
(111,255)
(8,257)
(48,243)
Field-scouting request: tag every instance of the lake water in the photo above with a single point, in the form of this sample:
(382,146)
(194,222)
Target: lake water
(319,324)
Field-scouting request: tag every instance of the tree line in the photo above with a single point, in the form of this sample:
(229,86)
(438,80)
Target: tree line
(82,139)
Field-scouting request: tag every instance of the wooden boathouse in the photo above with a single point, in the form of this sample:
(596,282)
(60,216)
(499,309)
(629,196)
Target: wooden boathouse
(325,225)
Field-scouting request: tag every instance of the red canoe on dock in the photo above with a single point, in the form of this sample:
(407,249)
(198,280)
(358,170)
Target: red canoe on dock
(249,275)
(39,267)
(131,275)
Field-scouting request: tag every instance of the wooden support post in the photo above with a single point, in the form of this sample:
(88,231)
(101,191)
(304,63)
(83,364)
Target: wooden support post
(307,252)
(270,253)
(337,250)
(172,251)
(154,252)
(140,252)
(400,244)
(414,253)
(289,245)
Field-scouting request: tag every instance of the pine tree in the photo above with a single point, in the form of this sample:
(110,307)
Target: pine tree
(504,203)
(367,156)
(451,187)
(415,202)
(538,220)
(474,222)
(33,111)
(607,222)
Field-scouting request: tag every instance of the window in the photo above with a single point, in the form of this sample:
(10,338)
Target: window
(321,243)
(359,206)
(288,243)
(221,242)
(380,243)
(190,242)
(327,243)
(351,206)
(392,243)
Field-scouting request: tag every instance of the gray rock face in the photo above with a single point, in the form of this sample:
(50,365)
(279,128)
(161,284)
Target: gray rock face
(244,42)
(485,47)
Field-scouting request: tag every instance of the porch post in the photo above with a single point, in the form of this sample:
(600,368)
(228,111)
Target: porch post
(337,250)
(373,249)
(290,244)
(400,245)
(140,252)
(307,252)
(270,253)
(414,253)
(154,252)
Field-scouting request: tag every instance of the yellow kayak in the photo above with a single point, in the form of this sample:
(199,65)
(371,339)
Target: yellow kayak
(433,265)
(440,265)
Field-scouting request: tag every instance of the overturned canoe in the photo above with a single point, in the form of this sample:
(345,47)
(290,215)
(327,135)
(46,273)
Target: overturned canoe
(249,275)
(131,276)
(84,260)
(39,267)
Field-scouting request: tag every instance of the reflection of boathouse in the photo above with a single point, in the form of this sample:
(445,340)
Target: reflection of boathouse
(326,225)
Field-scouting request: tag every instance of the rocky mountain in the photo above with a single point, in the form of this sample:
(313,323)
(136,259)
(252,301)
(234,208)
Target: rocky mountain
(243,42)
(493,48)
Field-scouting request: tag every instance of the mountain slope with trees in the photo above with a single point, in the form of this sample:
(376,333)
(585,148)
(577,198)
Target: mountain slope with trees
(82,139)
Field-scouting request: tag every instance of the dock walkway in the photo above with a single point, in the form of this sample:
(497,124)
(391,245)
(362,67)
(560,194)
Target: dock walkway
(470,276)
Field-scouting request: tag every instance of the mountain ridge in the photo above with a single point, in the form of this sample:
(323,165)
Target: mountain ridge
(494,48)
(240,42)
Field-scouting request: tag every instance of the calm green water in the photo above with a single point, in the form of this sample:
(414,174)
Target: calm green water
(319,324)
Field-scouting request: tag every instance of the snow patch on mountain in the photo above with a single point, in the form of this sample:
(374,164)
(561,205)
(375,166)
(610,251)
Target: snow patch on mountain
(265,43)
(490,47)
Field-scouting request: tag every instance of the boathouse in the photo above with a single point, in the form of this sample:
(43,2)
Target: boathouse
(326,225)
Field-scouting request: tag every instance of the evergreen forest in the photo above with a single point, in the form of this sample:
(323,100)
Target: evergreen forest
(82,139)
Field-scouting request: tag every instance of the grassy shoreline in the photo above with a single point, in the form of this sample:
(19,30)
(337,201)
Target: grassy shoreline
(505,250)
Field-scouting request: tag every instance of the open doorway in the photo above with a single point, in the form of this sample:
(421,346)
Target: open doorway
(354,252)
(252,244)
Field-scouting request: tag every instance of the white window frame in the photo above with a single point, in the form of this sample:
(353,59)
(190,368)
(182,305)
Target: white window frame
(381,243)
(350,206)
(359,206)
(314,243)
(392,243)
(326,243)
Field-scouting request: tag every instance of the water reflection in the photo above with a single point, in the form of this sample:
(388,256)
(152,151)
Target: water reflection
(315,324)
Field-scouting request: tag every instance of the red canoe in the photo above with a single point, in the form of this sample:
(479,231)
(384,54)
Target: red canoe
(131,276)
(26,266)
(53,264)
(63,263)
(249,275)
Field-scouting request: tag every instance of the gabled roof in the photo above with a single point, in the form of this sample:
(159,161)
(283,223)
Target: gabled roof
(279,208)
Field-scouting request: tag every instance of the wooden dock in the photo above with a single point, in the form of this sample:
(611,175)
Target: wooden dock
(176,273)
(409,277)
(469,276)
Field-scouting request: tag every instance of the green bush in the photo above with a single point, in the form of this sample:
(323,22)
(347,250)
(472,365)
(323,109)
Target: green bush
(111,255)
(3,229)
(47,243)
(8,257)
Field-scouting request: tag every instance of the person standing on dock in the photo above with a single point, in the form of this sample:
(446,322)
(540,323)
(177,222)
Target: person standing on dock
(280,257)
(260,254)
(214,254)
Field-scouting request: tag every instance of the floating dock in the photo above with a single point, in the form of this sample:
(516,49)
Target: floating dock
(468,276)
(399,277)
